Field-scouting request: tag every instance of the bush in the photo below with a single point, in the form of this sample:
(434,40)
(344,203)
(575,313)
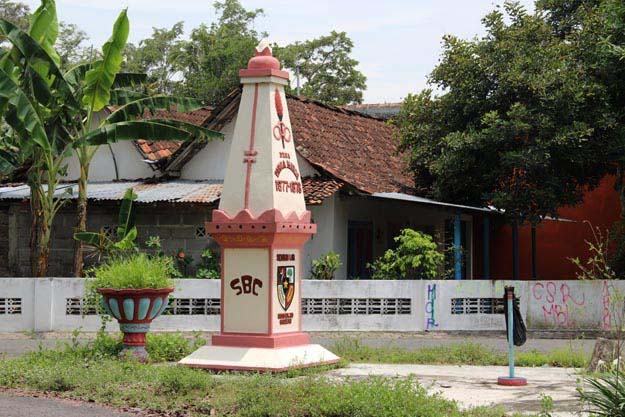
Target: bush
(416,257)
(324,267)
(135,272)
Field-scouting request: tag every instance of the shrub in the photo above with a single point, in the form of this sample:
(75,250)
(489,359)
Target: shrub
(209,265)
(416,257)
(605,394)
(324,267)
(138,271)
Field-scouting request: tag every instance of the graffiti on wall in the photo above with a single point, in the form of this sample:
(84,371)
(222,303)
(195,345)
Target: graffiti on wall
(430,312)
(558,302)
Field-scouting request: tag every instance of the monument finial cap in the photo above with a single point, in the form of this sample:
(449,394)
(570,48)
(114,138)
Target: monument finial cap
(263,58)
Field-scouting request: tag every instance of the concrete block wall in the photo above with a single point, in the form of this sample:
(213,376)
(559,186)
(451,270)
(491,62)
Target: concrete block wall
(53,304)
(175,225)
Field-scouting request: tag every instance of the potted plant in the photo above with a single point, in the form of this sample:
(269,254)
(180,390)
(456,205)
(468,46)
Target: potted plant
(134,290)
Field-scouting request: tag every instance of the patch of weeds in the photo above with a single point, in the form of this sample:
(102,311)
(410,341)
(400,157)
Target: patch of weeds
(465,353)
(184,391)
(546,405)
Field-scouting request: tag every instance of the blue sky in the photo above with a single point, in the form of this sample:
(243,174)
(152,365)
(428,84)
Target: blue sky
(397,42)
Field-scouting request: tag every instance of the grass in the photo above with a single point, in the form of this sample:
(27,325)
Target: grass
(74,373)
(466,353)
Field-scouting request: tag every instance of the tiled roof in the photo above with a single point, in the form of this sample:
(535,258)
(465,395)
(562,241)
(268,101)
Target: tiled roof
(317,189)
(352,147)
(382,110)
(157,151)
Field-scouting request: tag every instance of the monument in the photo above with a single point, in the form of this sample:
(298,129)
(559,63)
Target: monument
(261,225)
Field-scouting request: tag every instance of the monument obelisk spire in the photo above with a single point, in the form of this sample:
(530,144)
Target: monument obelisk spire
(261,225)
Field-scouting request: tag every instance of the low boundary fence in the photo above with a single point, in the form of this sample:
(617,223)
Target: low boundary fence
(56,304)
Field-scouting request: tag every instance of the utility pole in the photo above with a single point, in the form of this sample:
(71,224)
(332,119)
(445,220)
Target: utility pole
(297,88)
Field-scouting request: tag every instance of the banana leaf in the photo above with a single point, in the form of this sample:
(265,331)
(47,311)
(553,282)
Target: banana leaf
(147,130)
(198,131)
(44,28)
(24,120)
(120,97)
(99,79)
(135,109)
(38,59)
(126,214)
(129,79)
(7,162)
(128,241)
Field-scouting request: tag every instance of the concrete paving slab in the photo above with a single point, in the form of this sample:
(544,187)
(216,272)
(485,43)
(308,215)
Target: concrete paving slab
(475,386)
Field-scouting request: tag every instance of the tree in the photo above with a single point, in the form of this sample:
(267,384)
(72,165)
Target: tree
(51,115)
(70,46)
(15,12)
(158,57)
(517,125)
(325,65)
(214,54)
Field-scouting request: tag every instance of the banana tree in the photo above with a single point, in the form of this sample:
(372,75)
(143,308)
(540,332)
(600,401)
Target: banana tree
(52,115)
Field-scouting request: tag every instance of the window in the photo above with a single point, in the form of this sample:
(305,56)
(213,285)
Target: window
(359,249)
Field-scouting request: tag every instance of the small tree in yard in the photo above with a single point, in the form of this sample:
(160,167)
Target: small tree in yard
(416,257)
(51,115)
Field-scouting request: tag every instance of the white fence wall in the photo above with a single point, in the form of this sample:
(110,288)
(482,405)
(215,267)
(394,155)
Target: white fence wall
(55,304)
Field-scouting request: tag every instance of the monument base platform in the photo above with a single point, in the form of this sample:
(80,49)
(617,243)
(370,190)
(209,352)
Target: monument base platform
(228,358)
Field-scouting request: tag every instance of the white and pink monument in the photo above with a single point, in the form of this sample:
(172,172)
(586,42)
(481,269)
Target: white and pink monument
(261,225)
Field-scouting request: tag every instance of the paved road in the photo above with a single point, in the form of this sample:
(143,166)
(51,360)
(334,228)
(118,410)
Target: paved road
(12,344)
(18,406)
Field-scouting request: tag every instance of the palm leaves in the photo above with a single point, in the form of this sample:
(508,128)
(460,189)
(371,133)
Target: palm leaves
(605,394)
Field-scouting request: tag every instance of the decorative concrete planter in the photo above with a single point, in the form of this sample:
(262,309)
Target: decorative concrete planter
(135,309)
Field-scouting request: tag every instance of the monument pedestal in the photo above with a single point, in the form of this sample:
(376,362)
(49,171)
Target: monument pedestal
(222,358)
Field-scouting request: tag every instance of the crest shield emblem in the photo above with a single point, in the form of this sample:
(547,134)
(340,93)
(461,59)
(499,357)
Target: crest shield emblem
(286,286)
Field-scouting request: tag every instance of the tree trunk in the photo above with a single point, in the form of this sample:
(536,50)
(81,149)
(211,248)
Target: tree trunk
(81,223)
(35,230)
(44,250)
(604,353)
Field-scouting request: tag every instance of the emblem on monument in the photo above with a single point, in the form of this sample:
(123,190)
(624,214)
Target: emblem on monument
(286,285)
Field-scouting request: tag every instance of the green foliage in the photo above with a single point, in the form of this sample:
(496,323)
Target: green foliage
(99,79)
(137,271)
(101,245)
(328,71)
(465,353)
(174,390)
(597,265)
(605,393)
(325,267)
(546,405)
(158,57)
(209,265)
(50,115)
(212,57)
(416,257)
(522,123)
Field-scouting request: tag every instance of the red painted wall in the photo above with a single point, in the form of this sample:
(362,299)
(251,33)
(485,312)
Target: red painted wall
(556,241)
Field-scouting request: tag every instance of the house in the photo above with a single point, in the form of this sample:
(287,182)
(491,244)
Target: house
(355,186)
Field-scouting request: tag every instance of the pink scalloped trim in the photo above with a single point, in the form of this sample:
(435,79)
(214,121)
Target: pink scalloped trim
(269,216)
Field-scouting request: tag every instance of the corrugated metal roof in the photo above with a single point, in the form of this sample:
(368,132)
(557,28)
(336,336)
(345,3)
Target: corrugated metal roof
(172,191)
(415,199)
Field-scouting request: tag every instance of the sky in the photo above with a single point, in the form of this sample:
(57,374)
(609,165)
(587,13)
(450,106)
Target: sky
(397,42)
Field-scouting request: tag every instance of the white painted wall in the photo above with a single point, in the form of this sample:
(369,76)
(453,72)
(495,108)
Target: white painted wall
(210,162)
(130,165)
(545,305)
